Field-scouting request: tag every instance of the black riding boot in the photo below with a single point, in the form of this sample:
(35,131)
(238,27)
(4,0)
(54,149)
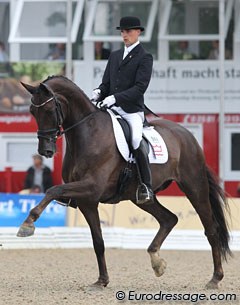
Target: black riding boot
(144,192)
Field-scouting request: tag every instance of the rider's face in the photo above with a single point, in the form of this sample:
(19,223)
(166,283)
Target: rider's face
(130,36)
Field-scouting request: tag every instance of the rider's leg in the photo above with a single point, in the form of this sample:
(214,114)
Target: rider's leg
(135,121)
(145,193)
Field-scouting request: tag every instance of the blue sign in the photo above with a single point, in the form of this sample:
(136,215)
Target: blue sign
(14,209)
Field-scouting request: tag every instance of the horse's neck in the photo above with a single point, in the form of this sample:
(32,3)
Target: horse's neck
(78,104)
(78,108)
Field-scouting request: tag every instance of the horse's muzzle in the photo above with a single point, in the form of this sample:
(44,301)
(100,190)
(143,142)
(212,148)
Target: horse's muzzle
(46,148)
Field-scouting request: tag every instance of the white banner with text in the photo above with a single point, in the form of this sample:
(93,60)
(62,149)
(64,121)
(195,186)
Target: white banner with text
(177,87)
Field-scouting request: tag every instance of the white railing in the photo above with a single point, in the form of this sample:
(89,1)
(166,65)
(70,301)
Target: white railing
(114,237)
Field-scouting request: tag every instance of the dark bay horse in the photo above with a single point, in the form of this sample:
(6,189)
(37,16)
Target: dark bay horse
(92,165)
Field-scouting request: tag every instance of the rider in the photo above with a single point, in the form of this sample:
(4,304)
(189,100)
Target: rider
(124,83)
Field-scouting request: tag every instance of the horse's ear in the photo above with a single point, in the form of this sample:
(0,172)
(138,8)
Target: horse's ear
(44,88)
(29,88)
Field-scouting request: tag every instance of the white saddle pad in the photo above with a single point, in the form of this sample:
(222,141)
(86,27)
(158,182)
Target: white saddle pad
(158,152)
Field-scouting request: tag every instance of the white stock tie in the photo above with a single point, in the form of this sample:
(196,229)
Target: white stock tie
(125,53)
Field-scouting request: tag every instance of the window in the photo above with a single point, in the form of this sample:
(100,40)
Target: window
(17,150)
(237,27)
(180,18)
(4,24)
(104,16)
(235,151)
(50,26)
(232,151)
(190,27)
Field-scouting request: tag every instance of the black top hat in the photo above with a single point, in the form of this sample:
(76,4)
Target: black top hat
(130,22)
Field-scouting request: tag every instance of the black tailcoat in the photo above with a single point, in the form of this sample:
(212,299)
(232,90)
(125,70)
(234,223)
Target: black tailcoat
(127,79)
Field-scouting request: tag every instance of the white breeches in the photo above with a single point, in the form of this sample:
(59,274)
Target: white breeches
(135,121)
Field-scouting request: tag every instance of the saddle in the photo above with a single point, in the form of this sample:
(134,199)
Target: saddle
(127,131)
(155,145)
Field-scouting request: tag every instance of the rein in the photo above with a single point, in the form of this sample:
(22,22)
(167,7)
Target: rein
(76,124)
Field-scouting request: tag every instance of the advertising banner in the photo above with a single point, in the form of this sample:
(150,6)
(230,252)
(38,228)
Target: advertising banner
(177,87)
(14,209)
(127,215)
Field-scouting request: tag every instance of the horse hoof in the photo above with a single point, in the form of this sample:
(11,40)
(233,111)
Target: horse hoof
(159,267)
(212,285)
(158,264)
(98,286)
(94,288)
(25,231)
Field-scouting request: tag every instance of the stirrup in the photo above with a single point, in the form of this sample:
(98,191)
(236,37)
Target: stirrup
(144,194)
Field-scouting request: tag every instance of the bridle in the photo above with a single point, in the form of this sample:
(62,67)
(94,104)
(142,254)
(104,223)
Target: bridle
(52,134)
(44,103)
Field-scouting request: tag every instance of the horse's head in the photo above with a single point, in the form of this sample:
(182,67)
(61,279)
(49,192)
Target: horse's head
(47,110)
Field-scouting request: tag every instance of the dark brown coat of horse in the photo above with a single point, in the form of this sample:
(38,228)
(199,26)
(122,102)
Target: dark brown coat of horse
(92,165)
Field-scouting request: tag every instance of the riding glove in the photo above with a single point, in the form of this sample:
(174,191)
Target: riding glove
(108,101)
(95,95)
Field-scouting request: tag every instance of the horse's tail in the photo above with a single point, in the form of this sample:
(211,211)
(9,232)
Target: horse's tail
(219,203)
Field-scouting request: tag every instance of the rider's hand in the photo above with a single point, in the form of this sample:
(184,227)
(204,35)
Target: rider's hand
(95,95)
(108,101)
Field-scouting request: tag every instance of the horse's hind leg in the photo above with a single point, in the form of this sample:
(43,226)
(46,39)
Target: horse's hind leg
(199,198)
(167,221)
(204,211)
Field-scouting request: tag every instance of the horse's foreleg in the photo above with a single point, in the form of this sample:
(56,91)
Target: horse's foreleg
(27,228)
(75,190)
(91,215)
(167,221)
